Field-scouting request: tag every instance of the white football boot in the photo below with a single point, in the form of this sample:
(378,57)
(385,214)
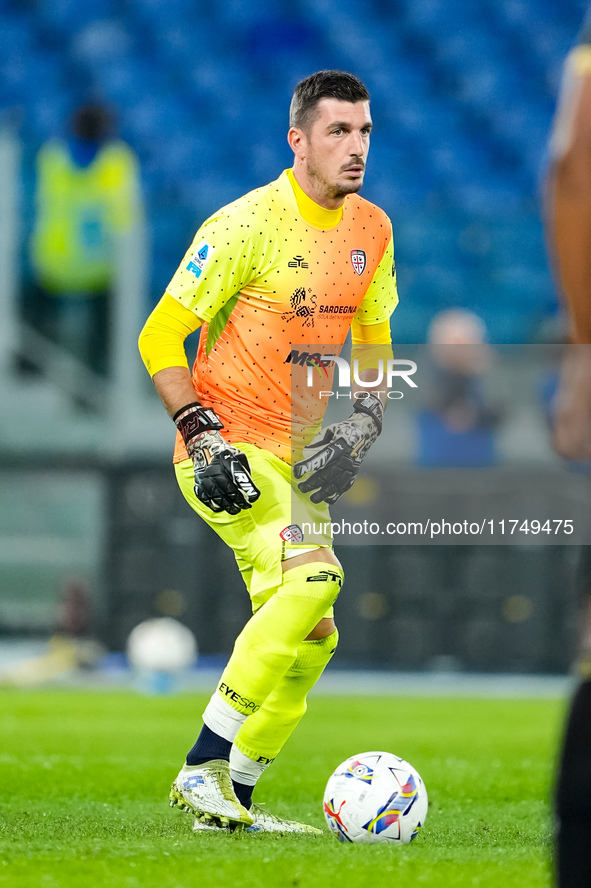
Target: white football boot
(206,791)
(263,821)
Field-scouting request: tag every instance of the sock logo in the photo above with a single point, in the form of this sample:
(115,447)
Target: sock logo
(265,761)
(325,576)
(233,695)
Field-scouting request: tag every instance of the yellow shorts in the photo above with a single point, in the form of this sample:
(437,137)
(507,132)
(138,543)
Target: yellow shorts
(259,536)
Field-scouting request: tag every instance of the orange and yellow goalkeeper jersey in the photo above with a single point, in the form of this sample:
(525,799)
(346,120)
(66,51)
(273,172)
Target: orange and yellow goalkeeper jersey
(265,281)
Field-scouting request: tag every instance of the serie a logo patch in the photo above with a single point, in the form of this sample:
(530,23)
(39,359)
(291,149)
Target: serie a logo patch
(199,258)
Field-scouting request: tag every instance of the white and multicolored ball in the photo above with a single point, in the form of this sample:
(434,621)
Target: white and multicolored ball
(375,797)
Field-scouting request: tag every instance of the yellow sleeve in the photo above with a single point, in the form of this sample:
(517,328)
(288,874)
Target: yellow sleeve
(161,340)
(381,297)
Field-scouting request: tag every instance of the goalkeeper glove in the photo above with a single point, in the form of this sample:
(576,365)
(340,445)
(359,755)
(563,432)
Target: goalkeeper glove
(222,474)
(333,458)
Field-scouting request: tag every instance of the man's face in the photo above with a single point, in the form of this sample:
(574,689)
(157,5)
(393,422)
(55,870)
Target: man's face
(335,147)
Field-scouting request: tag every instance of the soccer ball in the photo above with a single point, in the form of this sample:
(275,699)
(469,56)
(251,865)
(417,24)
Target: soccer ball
(375,797)
(161,645)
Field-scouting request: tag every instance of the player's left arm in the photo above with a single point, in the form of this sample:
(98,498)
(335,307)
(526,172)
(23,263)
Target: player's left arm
(370,331)
(568,192)
(333,458)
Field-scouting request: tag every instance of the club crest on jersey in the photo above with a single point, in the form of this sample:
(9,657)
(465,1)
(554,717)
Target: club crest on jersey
(199,258)
(358,259)
(292,534)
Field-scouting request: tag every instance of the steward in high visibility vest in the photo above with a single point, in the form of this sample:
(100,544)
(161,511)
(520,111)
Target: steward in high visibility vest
(88,192)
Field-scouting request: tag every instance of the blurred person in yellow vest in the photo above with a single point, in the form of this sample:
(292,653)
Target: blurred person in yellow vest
(87,194)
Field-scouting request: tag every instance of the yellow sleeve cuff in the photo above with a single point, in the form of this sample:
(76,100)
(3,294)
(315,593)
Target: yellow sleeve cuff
(371,334)
(371,343)
(161,341)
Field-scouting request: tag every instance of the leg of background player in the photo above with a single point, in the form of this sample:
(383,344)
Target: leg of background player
(573,796)
(573,790)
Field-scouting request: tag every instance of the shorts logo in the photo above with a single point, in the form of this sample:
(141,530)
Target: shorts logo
(326,576)
(199,258)
(292,534)
(358,259)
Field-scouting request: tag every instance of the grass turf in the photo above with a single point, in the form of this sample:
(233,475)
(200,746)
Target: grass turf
(84,779)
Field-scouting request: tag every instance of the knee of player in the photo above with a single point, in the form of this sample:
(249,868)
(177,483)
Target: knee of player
(326,644)
(315,653)
(325,627)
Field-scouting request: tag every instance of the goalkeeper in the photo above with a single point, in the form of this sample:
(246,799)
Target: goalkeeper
(298,262)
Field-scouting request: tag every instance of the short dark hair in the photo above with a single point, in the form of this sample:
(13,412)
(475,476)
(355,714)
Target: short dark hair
(323,85)
(93,122)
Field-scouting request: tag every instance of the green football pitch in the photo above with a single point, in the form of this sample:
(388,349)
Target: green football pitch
(84,779)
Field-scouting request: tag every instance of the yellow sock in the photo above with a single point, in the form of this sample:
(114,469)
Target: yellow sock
(263,735)
(268,645)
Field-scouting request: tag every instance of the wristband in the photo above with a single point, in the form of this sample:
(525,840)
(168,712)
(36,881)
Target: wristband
(193,419)
(371,406)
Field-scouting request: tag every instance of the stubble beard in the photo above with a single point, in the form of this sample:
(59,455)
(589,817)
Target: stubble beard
(342,190)
(331,190)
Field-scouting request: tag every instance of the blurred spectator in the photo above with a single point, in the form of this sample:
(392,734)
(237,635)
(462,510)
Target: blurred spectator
(459,426)
(87,195)
(74,617)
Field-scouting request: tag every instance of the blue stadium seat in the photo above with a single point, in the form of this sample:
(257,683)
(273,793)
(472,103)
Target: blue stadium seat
(71,15)
(48,114)
(16,36)
(156,14)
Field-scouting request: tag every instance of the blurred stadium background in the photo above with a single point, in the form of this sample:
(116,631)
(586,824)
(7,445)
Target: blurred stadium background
(94,536)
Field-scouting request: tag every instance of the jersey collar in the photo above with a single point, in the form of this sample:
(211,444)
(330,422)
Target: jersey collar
(311,212)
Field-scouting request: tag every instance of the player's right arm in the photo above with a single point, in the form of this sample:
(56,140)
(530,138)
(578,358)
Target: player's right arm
(568,224)
(204,283)
(161,345)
